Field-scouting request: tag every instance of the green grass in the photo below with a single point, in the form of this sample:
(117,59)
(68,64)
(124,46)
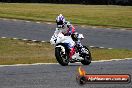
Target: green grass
(105,54)
(22,52)
(98,15)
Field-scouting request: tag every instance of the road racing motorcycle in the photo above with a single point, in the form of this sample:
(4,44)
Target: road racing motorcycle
(62,52)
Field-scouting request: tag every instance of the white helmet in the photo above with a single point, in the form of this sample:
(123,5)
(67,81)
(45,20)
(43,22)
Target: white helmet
(60,20)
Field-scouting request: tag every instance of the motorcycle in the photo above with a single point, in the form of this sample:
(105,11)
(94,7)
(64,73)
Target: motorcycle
(62,51)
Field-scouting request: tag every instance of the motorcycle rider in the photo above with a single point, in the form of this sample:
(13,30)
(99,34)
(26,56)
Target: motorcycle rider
(65,28)
(68,30)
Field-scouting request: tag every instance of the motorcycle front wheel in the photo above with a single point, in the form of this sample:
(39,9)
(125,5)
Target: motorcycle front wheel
(62,58)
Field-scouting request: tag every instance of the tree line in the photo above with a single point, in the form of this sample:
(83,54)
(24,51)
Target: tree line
(89,2)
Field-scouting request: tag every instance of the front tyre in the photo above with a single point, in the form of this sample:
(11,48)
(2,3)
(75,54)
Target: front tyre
(62,58)
(87,56)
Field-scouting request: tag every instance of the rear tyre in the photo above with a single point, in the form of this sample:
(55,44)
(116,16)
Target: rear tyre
(87,57)
(63,59)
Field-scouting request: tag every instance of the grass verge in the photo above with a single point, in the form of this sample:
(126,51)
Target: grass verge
(22,52)
(97,15)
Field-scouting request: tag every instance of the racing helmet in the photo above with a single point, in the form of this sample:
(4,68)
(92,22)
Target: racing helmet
(60,21)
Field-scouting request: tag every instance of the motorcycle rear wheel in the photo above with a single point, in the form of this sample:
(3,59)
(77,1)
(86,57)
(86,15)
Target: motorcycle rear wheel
(87,57)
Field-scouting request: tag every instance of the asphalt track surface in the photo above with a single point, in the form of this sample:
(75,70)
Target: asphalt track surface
(99,37)
(56,76)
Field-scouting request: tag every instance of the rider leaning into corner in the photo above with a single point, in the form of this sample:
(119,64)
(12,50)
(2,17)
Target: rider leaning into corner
(68,30)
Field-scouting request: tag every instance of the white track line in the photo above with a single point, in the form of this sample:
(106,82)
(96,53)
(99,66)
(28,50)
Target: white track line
(49,23)
(122,29)
(27,64)
(101,61)
(3,37)
(14,20)
(38,22)
(24,39)
(34,40)
(83,26)
(128,58)
(110,48)
(94,27)
(43,41)
(91,46)
(15,38)
(108,28)
(27,21)
(101,47)
(5,19)
(57,63)
(113,60)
